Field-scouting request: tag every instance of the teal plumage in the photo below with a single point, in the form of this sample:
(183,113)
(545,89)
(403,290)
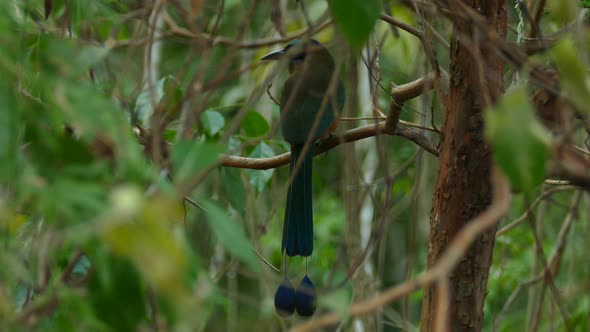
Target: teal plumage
(310,102)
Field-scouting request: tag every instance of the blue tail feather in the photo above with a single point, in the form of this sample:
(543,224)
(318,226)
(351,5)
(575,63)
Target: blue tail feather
(298,224)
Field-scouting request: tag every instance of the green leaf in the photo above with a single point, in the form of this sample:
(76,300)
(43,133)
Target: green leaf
(190,157)
(255,125)
(73,306)
(65,58)
(573,73)
(259,178)
(166,96)
(10,127)
(91,55)
(356,19)
(173,94)
(146,102)
(149,236)
(564,10)
(97,114)
(520,142)
(70,200)
(115,291)
(212,122)
(234,188)
(98,119)
(230,233)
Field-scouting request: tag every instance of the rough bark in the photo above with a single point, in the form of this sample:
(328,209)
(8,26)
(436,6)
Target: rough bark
(463,187)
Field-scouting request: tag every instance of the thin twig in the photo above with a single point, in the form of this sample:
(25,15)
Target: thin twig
(249,44)
(548,276)
(271,96)
(402,25)
(265,261)
(538,200)
(513,297)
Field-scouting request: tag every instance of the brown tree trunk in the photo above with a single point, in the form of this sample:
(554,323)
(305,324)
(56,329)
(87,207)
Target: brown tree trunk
(463,187)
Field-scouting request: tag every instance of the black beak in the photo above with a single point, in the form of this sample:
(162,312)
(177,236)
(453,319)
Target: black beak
(274,55)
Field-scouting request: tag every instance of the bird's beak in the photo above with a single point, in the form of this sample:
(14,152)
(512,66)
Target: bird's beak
(274,55)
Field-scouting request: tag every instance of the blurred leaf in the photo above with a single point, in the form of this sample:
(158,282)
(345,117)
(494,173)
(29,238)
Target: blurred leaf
(172,97)
(115,291)
(151,240)
(83,266)
(12,222)
(573,74)
(190,157)
(89,56)
(61,153)
(69,200)
(63,58)
(147,100)
(96,116)
(231,234)
(356,19)
(564,10)
(212,122)
(520,142)
(167,96)
(259,178)
(254,124)
(99,121)
(234,188)
(68,315)
(10,128)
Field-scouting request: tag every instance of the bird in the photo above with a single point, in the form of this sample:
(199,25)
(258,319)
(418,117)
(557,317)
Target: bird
(310,104)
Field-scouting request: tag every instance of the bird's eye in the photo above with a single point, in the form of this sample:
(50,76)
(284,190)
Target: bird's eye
(298,58)
(295,57)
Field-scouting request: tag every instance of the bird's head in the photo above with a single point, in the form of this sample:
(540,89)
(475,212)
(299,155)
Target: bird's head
(298,52)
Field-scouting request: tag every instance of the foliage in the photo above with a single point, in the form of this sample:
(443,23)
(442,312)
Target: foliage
(113,112)
(522,153)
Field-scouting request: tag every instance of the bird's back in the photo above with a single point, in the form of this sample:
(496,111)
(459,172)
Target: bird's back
(302,102)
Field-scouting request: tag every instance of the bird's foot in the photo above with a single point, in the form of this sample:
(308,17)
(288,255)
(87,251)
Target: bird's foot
(323,140)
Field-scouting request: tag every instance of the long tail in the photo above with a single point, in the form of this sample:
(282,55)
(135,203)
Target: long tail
(298,225)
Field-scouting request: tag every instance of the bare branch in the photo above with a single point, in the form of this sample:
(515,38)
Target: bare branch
(402,25)
(352,135)
(224,41)
(572,165)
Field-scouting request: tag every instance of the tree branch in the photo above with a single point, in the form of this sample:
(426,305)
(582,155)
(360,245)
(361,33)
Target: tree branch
(250,44)
(352,135)
(395,22)
(391,126)
(572,165)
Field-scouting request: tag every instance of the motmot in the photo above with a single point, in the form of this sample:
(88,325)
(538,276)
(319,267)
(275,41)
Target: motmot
(311,100)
